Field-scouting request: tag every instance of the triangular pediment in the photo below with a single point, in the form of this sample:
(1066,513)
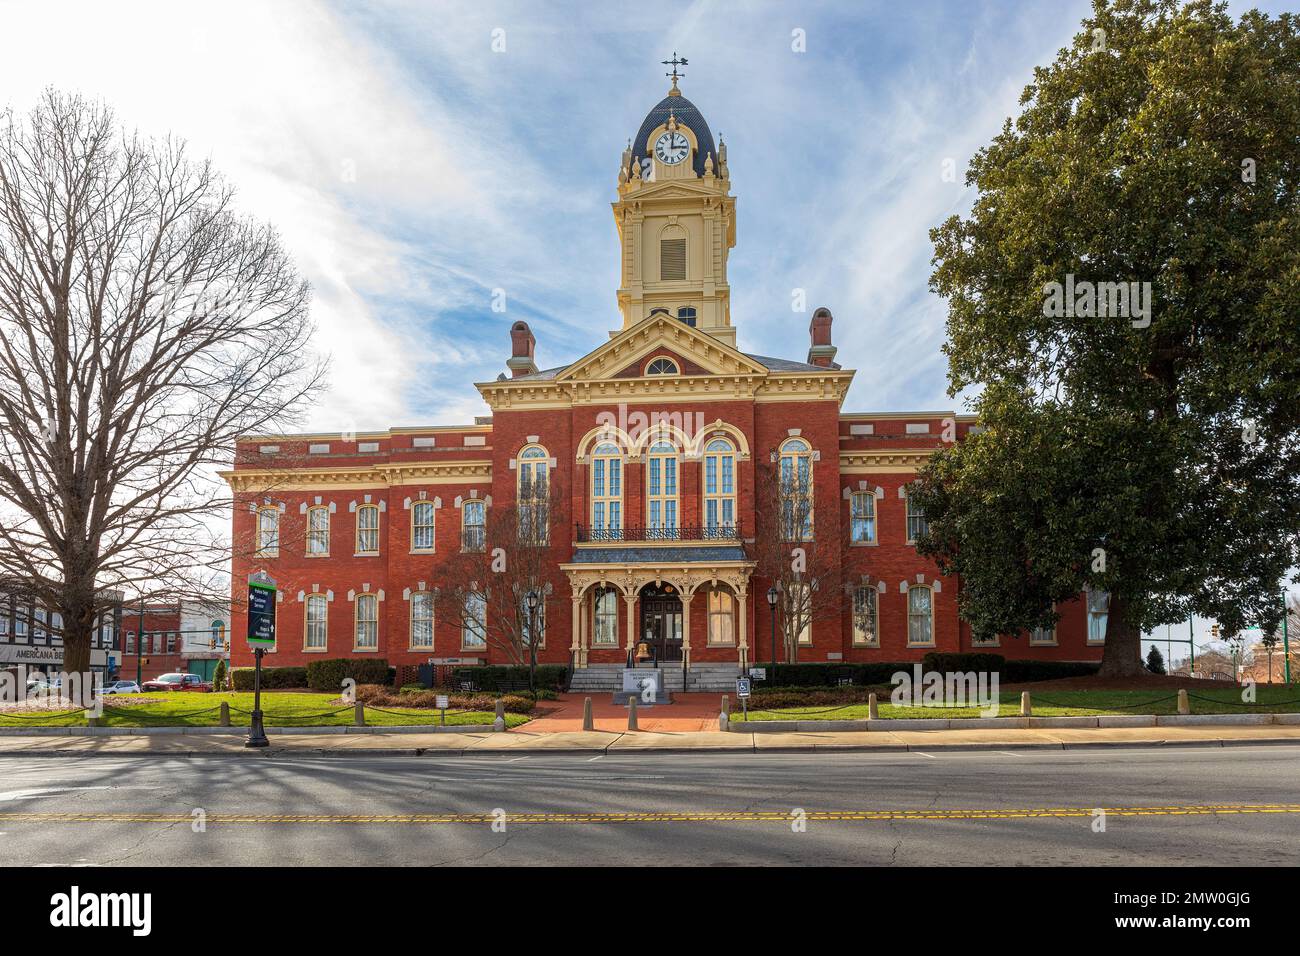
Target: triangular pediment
(659,333)
(673,189)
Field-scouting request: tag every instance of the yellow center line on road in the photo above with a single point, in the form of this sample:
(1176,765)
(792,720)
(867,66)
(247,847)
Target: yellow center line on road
(682,816)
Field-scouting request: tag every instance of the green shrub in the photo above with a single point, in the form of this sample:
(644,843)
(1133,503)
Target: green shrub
(961,663)
(273,678)
(375,695)
(829,674)
(1025,672)
(328,675)
(491,676)
(219,676)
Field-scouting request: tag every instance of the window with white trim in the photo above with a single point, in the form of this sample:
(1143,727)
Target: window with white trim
(1098,614)
(473,633)
(268,531)
(367,622)
(662,366)
(920,615)
(1042,636)
(538,620)
(317,623)
(422,526)
(318,530)
(862,517)
(533,491)
(368,529)
(796,488)
(422,620)
(473,525)
(721,605)
(801,596)
(604,630)
(916,523)
(865,632)
(606,492)
(719,486)
(661,491)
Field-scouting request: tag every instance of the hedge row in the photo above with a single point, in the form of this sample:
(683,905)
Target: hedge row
(273,678)
(492,676)
(330,674)
(1011,672)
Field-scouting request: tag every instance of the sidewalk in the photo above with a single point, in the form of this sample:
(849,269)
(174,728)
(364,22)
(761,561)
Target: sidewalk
(616,742)
(687,712)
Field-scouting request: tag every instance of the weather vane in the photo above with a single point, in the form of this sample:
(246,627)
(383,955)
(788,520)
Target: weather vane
(674,63)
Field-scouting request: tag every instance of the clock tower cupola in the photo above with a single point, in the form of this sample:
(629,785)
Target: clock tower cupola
(676,218)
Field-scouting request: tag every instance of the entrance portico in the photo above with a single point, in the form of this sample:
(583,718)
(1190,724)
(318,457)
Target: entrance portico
(658,587)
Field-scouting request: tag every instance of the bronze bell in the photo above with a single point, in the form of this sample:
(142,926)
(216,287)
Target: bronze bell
(643,651)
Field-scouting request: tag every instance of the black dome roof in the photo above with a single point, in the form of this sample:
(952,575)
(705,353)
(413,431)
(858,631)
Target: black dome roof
(688,116)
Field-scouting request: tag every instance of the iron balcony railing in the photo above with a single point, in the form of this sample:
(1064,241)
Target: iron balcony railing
(582,533)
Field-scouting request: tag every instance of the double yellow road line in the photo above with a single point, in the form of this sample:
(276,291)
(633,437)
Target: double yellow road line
(675,816)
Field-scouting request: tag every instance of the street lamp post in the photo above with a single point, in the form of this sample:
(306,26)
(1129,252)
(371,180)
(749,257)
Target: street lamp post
(772,595)
(531,600)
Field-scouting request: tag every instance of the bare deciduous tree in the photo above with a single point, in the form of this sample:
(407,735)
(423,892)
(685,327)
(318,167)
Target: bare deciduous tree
(143,326)
(490,580)
(793,555)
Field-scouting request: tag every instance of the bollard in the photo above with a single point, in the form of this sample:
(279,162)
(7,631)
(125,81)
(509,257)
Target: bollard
(501,708)
(1184,705)
(1026,708)
(631,713)
(224,718)
(873,708)
(499,725)
(359,714)
(588,723)
(724,722)
(726,704)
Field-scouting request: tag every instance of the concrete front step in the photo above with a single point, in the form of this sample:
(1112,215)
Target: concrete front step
(700,678)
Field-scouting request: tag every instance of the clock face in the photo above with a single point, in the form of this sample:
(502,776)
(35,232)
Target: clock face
(672,148)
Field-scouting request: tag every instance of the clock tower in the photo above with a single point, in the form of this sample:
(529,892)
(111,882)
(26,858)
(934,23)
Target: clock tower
(676,219)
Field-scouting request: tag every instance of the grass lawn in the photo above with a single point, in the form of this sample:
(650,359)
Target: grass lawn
(172,709)
(1062,703)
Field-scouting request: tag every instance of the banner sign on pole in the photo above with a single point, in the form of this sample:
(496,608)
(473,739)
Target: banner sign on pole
(261,611)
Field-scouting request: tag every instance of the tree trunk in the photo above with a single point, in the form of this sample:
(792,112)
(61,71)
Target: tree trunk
(1122,656)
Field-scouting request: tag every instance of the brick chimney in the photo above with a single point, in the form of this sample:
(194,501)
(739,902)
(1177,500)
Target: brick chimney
(522,344)
(820,350)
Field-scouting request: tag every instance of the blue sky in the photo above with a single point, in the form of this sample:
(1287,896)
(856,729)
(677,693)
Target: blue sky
(413,169)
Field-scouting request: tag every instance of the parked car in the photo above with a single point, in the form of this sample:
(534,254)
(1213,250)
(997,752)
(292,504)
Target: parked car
(121,687)
(178,682)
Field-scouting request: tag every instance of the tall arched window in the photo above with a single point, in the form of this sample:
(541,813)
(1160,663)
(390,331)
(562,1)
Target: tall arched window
(796,487)
(533,490)
(862,517)
(606,493)
(473,632)
(661,491)
(865,633)
(316,637)
(719,487)
(604,613)
(318,531)
(368,529)
(367,622)
(920,615)
(268,531)
(421,620)
(721,605)
(916,523)
(473,525)
(422,526)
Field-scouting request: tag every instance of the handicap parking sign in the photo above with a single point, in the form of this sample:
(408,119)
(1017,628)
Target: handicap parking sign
(742,687)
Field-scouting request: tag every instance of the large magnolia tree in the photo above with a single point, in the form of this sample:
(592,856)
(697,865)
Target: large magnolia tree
(1149,453)
(144,324)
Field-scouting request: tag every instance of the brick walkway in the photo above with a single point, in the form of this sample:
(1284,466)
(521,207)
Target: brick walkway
(687,712)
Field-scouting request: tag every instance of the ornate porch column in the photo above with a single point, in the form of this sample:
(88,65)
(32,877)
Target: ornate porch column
(741,594)
(629,598)
(575,646)
(688,596)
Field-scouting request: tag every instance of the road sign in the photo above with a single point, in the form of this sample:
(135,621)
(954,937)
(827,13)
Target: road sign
(758,673)
(261,611)
(441,701)
(742,687)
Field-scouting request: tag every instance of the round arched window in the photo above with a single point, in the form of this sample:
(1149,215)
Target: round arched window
(662,366)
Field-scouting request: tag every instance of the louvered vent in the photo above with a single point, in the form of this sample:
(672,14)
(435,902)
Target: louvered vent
(672,259)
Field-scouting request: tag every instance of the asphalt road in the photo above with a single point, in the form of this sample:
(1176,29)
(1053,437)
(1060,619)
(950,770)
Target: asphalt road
(973,808)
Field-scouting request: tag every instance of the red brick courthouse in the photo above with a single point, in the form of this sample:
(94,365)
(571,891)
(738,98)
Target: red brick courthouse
(656,442)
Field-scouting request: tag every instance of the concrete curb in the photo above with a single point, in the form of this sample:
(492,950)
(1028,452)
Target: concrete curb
(1010,723)
(239,731)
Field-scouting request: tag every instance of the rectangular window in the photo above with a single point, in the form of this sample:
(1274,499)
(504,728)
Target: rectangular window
(721,606)
(367,634)
(802,605)
(268,531)
(865,633)
(422,526)
(422,620)
(318,531)
(916,524)
(130,642)
(171,643)
(604,632)
(863,517)
(368,529)
(1042,636)
(473,635)
(1098,612)
(473,527)
(317,623)
(920,630)
(537,620)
